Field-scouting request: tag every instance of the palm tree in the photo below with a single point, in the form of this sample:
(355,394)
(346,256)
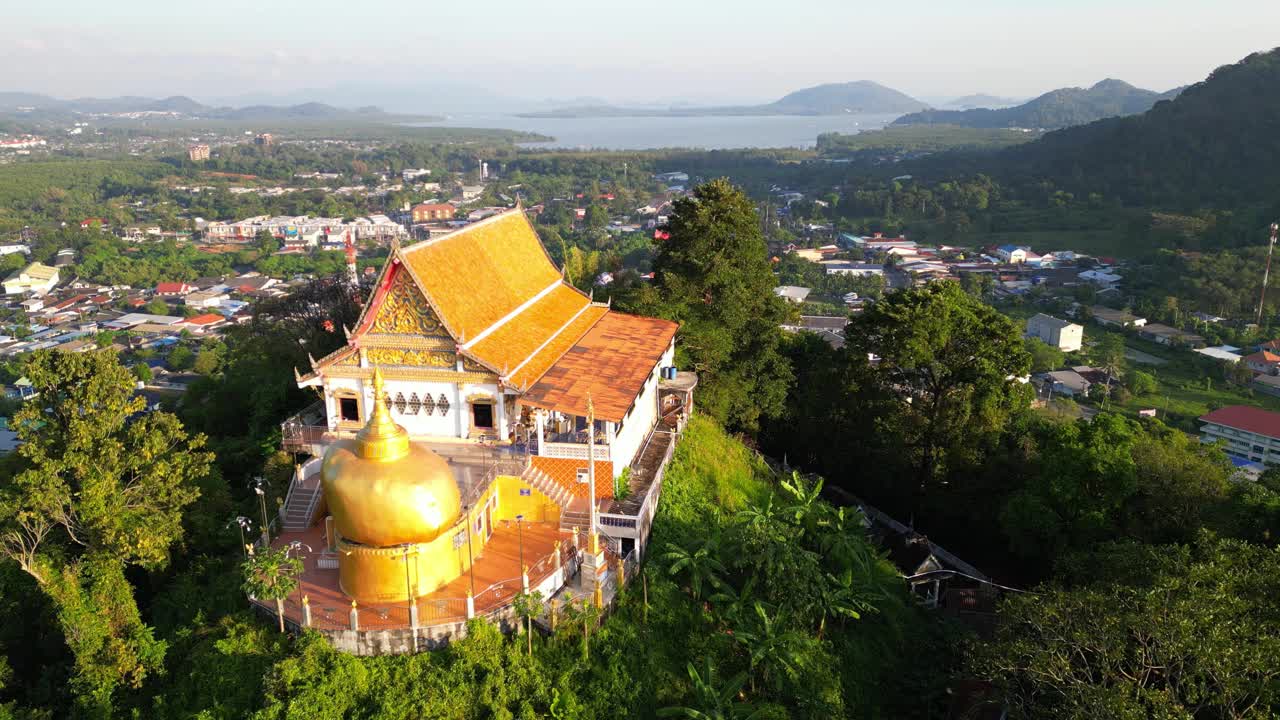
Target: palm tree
(528,605)
(271,574)
(712,701)
(841,597)
(700,566)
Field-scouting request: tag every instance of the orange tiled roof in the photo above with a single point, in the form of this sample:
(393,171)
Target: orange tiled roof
(481,273)
(507,346)
(546,357)
(565,472)
(610,364)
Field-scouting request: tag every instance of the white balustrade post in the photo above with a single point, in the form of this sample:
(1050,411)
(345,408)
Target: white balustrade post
(471,606)
(355,616)
(306,611)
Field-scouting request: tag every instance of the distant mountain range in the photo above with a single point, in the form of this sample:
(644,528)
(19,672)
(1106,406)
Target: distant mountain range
(862,96)
(979,100)
(181,105)
(1061,108)
(1216,144)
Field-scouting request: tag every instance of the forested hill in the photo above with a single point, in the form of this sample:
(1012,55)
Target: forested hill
(1216,145)
(1053,110)
(834,98)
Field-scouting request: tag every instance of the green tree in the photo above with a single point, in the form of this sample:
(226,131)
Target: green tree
(713,276)
(98,488)
(1044,357)
(698,566)
(528,605)
(1110,357)
(180,357)
(953,362)
(157,307)
(206,361)
(1142,383)
(271,574)
(1145,632)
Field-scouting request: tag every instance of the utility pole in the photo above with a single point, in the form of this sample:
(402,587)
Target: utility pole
(1266,273)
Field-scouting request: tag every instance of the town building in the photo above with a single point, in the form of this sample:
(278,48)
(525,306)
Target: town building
(856,269)
(1225,353)
(485,399)
(264,140)
(1067,383)
(1066,336)
(1104,280)
(1116,318)
(1263,361)
(35,278)
(1247,432)
(1012,254)
(1166,335)
(792,293)
(197,153)
(431,212)
(173,289)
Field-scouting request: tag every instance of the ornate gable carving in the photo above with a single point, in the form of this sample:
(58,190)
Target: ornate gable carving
(404,311)
(406,356)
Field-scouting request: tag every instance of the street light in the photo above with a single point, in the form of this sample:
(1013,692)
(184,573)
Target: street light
(243,523)
(296,548)
(413,604)
(262,502)
(520,532)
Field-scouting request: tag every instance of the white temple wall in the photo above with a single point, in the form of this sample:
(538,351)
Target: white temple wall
(644,413)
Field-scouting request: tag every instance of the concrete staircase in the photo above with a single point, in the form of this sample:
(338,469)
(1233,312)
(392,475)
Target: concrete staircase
(543,483)
(304,495)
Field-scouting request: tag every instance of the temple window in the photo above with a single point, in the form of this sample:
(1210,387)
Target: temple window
(401,404)
(414,404)
(443,404)
(428,405)
(348,409)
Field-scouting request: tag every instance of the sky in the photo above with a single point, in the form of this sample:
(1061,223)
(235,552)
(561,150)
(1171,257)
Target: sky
(430,52)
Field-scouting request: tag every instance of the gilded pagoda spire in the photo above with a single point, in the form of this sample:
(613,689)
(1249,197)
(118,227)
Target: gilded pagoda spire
(382,439)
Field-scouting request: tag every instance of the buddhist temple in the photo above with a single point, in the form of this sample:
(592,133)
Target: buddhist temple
(487,429)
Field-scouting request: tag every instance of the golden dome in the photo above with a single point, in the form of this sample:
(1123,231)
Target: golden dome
(384,490)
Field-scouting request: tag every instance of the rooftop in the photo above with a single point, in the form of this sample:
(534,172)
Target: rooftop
(1246,417)
(609,364)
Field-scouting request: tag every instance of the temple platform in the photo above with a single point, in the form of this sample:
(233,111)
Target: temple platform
(495,576)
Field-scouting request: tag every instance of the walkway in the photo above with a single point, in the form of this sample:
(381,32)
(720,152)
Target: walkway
(496,578)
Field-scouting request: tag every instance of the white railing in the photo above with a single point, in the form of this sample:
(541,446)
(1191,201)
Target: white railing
(304,471)
(574,451)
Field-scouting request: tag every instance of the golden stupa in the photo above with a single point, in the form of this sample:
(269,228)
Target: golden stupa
(390,499)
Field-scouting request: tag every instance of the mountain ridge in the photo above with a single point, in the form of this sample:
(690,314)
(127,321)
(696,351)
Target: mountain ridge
(858,96)
(1056,109)
(179,104)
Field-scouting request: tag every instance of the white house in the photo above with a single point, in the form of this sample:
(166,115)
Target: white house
(1100,278)
(792,293)
(34,278)
(1012,254)
(856,269)
(1066,336)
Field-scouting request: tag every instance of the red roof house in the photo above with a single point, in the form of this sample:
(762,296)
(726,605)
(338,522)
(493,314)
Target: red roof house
(173,289)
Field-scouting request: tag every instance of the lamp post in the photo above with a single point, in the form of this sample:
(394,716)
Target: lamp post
(295,547)
(262,503)
(471,561)
(242,523)
(520,532)
(413,604)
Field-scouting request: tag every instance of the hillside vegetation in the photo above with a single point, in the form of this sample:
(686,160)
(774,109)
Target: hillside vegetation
(1056,109)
